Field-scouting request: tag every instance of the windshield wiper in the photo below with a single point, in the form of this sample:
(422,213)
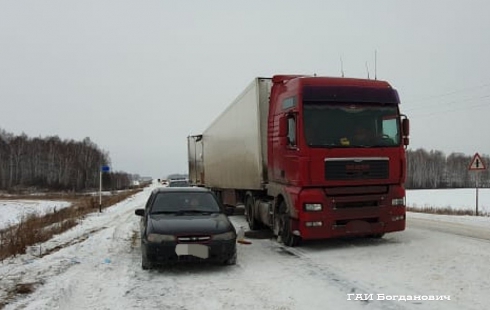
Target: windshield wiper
(165,212)
(198,211)
(324,145)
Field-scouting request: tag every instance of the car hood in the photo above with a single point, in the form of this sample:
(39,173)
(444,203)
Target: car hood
(170,224)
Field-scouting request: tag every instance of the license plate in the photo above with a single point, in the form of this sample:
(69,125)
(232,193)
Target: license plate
(198,250)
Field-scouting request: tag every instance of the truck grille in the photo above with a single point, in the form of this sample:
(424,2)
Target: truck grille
(356,169)
(356,204)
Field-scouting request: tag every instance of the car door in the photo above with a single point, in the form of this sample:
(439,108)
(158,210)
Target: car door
(144,219)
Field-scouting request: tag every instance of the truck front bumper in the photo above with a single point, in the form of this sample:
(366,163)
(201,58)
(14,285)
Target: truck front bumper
(362,221)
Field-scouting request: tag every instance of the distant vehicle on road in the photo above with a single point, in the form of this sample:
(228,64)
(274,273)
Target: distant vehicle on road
(178,183)
(180,224)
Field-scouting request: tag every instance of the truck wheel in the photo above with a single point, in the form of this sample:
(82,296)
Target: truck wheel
(249,209)
(145,264)
(285,227)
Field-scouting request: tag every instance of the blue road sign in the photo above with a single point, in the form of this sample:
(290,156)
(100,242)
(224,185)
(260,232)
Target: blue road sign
(105,168)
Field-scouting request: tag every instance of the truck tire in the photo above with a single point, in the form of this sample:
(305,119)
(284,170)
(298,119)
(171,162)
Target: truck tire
(145,264)
(253,223)
(287,236)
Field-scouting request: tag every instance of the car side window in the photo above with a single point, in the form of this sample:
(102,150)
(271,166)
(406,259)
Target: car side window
(149,201)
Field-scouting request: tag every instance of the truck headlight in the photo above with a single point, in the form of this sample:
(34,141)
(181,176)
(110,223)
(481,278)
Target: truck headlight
(157,238)
(398,201)
(225,236)
(313,207)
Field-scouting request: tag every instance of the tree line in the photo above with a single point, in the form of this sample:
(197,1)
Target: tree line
(433,169)
(55,164)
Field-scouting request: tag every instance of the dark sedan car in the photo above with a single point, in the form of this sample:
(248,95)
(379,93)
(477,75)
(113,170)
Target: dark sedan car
(185,224)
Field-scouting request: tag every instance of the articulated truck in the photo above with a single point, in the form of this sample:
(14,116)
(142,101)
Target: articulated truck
(309,157)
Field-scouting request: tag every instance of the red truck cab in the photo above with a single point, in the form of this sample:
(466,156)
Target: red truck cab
(336,158)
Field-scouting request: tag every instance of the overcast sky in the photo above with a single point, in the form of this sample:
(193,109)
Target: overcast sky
(138,77)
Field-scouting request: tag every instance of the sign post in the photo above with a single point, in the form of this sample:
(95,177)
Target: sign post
(102,169)
(477,165)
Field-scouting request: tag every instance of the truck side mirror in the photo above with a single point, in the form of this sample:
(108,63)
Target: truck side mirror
(406,127)
(406,130)
(283,126)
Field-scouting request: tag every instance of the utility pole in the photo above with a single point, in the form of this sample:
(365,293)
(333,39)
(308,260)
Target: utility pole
(102,169)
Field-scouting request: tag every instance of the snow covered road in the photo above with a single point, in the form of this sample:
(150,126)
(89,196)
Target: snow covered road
(100,268)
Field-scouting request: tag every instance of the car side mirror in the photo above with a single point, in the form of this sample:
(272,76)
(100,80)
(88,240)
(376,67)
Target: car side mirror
(139,212)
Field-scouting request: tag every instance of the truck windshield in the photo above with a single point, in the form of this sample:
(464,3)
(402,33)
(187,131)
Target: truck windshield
(350,125)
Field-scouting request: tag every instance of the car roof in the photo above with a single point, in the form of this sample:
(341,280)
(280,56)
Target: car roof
(181,189)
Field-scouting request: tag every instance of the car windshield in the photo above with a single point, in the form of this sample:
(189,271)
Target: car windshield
(185,202)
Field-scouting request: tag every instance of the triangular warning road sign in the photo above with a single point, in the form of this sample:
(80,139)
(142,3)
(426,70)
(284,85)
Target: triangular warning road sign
(477,163)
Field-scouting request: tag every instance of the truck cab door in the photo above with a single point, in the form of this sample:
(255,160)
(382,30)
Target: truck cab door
(286,154)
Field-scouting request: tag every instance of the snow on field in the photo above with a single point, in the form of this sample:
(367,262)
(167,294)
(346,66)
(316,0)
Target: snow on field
(456,199)
(12,211)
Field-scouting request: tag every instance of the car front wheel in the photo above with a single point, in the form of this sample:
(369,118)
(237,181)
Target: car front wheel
(231,261)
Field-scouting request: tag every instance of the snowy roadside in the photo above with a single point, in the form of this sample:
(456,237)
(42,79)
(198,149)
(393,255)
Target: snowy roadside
(34,268)
(455,199)
(480,221)
(12,211)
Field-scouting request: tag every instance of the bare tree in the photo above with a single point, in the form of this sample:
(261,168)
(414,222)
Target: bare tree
(52,163)
(434,170)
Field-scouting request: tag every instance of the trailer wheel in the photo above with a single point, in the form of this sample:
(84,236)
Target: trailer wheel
(284,224)
(250,214)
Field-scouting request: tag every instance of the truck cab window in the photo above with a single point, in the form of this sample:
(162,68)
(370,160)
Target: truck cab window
(292,131)
(390,130)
